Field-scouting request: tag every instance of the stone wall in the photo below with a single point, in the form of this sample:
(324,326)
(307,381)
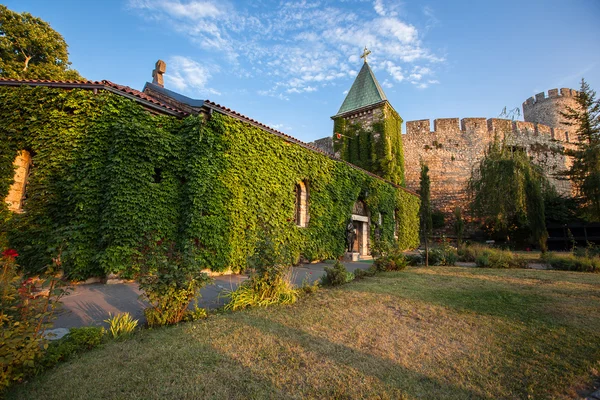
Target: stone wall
(453,149)
(325,144)
(366,117)
(16,193)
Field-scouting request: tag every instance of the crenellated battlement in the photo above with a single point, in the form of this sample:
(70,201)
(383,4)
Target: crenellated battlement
(552,94)
(456,127)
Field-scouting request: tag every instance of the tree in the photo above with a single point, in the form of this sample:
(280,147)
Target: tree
(507,191)
(31,49)
(585,171)
(425,210)
(459,226)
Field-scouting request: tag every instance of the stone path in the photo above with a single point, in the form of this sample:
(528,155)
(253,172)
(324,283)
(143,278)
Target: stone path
(89,305)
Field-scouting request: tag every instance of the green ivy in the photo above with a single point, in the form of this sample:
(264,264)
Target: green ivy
(377,148)
(106,173)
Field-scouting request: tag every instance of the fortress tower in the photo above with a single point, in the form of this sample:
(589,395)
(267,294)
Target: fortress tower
(546,110)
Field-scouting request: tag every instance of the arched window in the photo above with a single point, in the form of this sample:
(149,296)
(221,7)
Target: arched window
(301,212)
(16,193)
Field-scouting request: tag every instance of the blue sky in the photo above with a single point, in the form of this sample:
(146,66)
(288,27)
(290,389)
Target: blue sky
(289,64)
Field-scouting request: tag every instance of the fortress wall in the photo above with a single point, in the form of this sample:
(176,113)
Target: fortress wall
(453,149)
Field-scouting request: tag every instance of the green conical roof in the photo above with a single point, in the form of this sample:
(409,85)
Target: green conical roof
(365,91)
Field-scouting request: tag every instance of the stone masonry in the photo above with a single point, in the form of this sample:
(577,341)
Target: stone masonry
(16,193)
(453,150)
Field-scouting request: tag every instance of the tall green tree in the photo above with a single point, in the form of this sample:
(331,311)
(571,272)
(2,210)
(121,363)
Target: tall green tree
(31,49)
(425,210)
(585,171)
(507,192)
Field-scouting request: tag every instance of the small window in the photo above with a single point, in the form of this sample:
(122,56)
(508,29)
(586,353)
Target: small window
(567,136)
(301,209)
(157,177)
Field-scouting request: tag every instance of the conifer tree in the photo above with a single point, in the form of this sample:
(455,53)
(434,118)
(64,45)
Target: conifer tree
(585,171)
(425,210)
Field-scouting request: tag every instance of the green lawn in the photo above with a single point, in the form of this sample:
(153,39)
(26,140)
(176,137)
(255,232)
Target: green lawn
(442,332)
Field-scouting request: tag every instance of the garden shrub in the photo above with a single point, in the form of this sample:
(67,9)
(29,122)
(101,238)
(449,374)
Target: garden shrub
(121,326)
(336,275)
(437,219)
(442,256)
(262,291)
(271,281)
(196,314)
(494,258)
(24,316)
(76,341)
(415,259)
(362,273)
(391,262)
(572,262)
(171,279)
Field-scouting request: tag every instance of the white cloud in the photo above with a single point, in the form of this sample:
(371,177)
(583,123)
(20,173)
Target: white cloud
(185,74)
(378,6)
(302,45)
(387,84)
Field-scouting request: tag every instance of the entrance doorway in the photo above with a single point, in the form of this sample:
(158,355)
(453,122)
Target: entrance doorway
(360,219)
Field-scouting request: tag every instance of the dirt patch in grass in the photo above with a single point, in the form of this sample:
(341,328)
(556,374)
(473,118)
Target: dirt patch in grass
(445,332)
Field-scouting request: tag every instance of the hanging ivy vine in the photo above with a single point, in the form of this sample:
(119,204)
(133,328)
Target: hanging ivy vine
(377,149)
(106,173)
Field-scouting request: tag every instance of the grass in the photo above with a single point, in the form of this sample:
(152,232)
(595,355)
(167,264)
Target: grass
(443,332)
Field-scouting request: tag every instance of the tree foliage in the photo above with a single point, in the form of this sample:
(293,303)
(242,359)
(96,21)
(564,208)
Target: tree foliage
(425,210)
(31,49)
(507,192)
(585,171)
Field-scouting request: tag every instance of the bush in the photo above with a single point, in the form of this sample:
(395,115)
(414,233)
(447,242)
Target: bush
(262,291)
(196,314)
(121,326)
(170,278)
(363,273)
(78,340)
(336,275)
(415,259)
(391,262)
(437,219)
(86,338)
(24,316)
(493,258)
(572,262)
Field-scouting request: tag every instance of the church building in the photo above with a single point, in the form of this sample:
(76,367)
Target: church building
(94,174)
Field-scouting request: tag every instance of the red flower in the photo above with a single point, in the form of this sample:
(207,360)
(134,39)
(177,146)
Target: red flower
(10,253)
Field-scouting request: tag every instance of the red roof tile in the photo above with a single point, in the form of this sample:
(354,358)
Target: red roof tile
(91,85)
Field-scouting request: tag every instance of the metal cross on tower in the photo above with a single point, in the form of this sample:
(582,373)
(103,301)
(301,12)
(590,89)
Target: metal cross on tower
(365,54)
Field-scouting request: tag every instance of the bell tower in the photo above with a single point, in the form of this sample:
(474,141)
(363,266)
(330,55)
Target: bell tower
(367,131)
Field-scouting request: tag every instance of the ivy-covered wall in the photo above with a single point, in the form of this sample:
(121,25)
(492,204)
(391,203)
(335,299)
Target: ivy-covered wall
(376,146)
(106,173)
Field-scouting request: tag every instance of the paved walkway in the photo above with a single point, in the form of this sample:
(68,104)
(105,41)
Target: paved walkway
(90,304)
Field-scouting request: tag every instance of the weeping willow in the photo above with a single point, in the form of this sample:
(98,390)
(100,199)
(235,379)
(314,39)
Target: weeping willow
(507,192)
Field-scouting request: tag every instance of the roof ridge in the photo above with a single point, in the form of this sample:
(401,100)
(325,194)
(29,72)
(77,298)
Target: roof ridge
(87,84)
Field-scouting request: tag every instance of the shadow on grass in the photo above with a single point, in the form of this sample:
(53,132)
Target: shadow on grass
(482,297)
(409,382)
